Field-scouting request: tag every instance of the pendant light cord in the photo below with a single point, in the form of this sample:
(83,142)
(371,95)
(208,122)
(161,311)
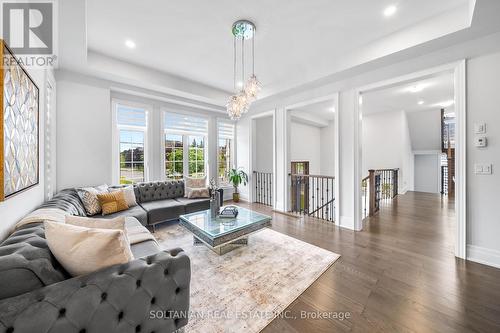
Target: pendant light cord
(234,63)
(253,53)
(243,61)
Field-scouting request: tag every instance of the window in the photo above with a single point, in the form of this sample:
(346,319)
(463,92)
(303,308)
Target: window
(196,156)
(132,126)
(174,156)
(185,145)
(225,134)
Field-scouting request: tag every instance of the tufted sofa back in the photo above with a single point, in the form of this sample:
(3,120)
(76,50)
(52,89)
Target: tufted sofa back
(151,191)
(26,262)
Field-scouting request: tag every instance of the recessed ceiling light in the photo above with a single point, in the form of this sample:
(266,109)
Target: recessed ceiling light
(420,102)
(130,44)
(389,11)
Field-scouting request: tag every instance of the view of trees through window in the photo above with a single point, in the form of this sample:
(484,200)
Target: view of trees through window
(224,158)
(132,129)
(196,156)
(131,156)
(174,156)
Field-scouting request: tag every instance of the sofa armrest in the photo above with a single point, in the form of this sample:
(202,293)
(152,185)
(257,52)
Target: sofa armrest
(146,295)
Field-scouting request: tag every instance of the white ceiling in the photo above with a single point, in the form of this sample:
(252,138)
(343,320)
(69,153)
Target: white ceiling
(297,41)
(435,91)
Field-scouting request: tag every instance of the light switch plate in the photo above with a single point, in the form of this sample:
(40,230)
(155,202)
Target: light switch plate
(487,169)
(481,141)
(478,169)
(483,169)
(480,128)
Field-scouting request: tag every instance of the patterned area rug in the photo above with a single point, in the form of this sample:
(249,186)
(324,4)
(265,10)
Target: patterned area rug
(243,290)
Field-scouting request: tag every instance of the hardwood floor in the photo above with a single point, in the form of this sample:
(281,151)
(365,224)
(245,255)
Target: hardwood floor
(398,275)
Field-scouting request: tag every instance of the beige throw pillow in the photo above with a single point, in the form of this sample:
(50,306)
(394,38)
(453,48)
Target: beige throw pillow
(193,193)
(193,183)
(196,182)
(83,250)
(128,193)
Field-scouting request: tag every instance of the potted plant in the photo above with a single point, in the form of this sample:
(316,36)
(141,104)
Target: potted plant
(237,177)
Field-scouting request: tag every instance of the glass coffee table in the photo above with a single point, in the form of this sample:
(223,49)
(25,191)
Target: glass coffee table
(223,234)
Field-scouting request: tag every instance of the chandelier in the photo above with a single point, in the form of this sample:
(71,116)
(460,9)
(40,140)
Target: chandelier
(246,92)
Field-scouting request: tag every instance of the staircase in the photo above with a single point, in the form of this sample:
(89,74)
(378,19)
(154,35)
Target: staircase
(448,148)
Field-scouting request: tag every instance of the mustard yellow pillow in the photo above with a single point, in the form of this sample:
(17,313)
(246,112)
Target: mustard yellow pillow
(112,202)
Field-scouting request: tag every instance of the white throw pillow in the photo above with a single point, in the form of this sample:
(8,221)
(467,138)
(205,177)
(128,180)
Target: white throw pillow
(195,193)
(128,193)
(191,183)
(83,250)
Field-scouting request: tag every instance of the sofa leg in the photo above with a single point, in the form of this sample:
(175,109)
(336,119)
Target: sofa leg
(152,228)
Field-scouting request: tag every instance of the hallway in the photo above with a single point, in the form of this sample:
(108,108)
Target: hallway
(399,274)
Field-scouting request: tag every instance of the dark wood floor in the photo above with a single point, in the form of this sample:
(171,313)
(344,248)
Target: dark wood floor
(398,275)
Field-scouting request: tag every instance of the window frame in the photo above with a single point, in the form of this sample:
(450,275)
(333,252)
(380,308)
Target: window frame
(116,128)
(185,144)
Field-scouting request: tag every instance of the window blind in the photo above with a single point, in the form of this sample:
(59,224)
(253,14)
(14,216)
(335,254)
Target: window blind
(130,116)
(188,124)
(226,130)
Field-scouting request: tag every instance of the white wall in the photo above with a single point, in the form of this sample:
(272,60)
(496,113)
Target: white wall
(84,135)
(263,147)
(427,177)
(425,129)
(386,145)
(327,150)
(483,225)
(243,153)
(305,143)
(17,206)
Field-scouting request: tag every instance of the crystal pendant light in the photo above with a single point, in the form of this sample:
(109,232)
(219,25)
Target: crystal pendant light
(239,103)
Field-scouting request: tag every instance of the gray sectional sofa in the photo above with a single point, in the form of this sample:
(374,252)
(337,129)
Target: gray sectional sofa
(38,295)
(159,202)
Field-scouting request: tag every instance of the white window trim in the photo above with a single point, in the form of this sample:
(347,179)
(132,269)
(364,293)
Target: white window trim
(115,150)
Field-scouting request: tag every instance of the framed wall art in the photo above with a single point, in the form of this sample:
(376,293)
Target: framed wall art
(19,127)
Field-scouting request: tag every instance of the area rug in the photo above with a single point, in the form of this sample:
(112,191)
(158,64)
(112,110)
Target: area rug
(244,290)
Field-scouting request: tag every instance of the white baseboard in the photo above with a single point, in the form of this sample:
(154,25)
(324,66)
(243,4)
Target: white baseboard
(346,222)
(483,255)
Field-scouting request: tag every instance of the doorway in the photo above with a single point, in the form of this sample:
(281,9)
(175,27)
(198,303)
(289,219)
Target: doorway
(262,154)
(312,136)
(300,189)
(412,85)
